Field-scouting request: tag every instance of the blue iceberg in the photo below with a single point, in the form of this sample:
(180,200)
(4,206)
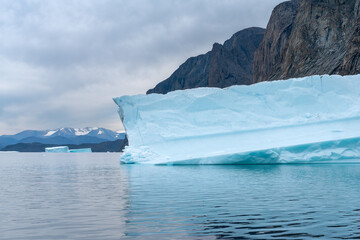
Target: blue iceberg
(65,149)
(310,119)
(80,150)
(59,149)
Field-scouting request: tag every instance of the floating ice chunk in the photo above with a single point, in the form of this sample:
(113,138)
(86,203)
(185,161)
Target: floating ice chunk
(57,149)
(66,149)
(80,150)
(307,119)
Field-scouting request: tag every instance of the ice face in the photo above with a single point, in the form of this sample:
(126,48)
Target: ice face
(307,119)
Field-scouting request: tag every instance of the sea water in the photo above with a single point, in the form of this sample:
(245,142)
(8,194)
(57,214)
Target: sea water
(92,196)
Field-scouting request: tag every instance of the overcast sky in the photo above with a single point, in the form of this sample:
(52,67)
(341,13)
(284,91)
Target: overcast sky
(62,61)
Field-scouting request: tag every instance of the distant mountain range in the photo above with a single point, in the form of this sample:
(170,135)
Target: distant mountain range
(302,38)
(110,146)
(60,136)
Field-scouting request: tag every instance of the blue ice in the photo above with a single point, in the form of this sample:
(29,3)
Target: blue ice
(310,119)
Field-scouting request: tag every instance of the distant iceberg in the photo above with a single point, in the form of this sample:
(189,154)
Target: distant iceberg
(65,149)
(80,150)
(310,119)
(57,149)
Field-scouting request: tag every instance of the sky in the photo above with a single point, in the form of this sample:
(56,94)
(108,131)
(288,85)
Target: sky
(62,61)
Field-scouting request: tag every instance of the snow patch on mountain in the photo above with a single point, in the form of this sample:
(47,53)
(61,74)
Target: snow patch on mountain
(50,133)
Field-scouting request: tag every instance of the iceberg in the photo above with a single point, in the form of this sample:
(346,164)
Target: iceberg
(65,149)
(59,149)
(80,150)
(303,120)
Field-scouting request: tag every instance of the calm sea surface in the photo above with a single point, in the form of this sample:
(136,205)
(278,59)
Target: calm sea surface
(92,196)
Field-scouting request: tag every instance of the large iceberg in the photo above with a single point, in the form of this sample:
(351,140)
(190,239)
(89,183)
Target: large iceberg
(310,119)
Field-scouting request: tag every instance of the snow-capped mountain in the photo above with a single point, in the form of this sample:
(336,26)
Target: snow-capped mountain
(88,131)
(63,136)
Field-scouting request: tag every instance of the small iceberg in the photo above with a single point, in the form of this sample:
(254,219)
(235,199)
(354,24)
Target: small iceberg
(303,120)
(60,149)
(65,149)
(80,150)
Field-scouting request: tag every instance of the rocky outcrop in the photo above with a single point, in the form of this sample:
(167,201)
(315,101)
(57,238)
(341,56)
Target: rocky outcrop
(225,65)
(275,42)
(351,62)
(314,37)
(231,63)
(191,74)
(302,38)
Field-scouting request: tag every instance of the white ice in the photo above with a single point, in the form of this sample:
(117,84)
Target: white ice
(311,119)
(65,149)
(57,149)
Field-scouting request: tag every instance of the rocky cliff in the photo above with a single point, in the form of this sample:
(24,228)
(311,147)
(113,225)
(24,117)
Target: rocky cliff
(302,38)
(275,42)
(310,37)
(191,74)
(223,66)
(231,63)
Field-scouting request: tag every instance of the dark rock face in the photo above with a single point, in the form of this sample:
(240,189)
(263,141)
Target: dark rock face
(191,74)
(223,66)
(315,37)
(231,63)
(275,42)
(351,62)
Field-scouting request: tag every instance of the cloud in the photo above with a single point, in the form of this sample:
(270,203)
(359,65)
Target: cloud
(61,62)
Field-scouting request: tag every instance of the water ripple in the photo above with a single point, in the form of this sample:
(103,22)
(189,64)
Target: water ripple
(93,197)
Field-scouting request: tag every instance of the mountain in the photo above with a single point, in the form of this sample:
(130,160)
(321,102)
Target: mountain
(310,37)
(69,132)
(223,66)
(191,74)
(5,140)
(302,38)
(64,140)
(62,136)
(109,146)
